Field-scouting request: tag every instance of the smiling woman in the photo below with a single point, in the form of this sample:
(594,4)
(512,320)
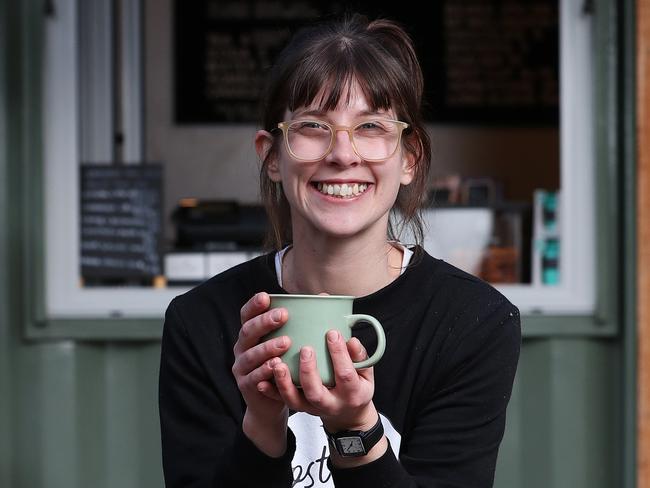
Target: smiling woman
(333,154)
(322,70)
(342,146)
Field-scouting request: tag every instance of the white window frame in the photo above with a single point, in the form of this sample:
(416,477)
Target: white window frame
(576,293)
(65,298)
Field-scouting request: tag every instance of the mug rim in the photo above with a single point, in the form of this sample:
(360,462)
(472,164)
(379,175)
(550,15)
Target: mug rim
(299,295)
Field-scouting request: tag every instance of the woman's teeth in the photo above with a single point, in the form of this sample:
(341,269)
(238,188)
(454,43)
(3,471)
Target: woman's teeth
(343,190)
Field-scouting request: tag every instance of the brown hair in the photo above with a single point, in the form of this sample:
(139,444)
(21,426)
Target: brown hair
(379,55)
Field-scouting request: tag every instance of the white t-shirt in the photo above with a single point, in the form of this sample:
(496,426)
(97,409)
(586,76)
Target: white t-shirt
(406,258)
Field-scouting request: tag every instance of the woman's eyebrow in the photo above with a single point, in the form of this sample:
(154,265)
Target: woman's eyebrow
(322,113)
(314,112)
(372,112)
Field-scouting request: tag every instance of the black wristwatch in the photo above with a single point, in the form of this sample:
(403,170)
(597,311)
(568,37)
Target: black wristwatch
(354,443)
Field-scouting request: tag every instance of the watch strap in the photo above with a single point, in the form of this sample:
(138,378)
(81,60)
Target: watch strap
(354,443)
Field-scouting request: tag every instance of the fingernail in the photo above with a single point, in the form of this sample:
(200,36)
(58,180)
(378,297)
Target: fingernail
(281,342)
(333,336)
(305,353)
(258,299)
(273,362)
(279,372)
(276,315)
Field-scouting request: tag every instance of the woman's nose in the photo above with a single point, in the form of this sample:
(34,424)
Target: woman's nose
(342,149)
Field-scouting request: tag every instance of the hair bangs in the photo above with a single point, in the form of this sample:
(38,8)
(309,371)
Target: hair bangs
(325,80)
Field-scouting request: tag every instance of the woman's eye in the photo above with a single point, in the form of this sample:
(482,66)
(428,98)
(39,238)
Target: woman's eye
(374,127)
(369,125)
(310,124)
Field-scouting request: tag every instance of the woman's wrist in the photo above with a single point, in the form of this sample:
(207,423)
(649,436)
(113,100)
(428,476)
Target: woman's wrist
(377,451)
(268,436)
(363,423)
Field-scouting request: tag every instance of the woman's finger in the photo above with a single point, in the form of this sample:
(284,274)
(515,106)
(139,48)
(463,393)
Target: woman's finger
(263,373)
(358,353)
(356,350)
(269,390)
(257,327)
(255,356)
(347,378)
(313,389)
(289,393)
(257,304)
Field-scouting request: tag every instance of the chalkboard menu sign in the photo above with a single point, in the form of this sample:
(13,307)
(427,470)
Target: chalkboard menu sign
(496,62)
(222,50)
(120,223)
(484,61)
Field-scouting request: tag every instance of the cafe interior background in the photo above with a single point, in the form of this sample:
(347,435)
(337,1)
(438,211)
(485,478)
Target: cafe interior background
(129,175)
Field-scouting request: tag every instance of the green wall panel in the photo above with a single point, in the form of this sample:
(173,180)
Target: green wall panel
(86,415)
(5,350)
(562,418)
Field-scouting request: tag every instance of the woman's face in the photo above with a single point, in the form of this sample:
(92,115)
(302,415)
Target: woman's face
(311,187)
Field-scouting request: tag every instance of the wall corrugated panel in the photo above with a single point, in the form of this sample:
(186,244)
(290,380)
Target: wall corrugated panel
(5,351)
(86,416)
(563,420)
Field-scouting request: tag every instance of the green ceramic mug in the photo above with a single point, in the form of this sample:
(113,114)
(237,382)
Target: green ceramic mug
(310,317)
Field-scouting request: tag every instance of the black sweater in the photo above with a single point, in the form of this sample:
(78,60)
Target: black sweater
(443,384)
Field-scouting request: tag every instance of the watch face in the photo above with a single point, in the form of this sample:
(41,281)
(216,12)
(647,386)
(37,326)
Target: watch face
(350,446)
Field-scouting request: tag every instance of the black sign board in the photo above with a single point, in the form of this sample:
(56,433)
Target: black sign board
(484,61)
(496,61)
(120,222)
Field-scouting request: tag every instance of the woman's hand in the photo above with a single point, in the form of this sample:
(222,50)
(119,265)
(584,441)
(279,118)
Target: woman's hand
(347,406)
(265,419)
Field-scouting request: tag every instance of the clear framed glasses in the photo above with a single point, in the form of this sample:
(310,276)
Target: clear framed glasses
(372,140)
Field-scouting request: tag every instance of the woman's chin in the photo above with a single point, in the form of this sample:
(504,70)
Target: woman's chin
(341,229)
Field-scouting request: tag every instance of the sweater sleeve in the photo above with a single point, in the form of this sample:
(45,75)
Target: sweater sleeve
(461,421)
(203,444)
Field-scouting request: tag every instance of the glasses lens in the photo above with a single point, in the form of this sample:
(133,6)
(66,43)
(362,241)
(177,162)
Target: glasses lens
(309,140)
(377,139)
(374,140)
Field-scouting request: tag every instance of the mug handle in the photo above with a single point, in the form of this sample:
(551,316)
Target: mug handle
(353,320)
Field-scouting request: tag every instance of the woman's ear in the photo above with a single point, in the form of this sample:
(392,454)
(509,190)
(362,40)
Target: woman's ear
(408,168)
(263,145)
